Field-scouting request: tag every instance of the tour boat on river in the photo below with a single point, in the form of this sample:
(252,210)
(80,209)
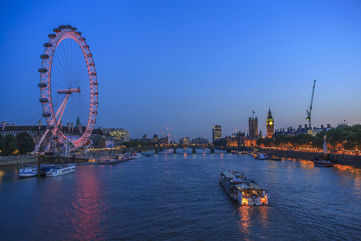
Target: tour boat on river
(60,170)
(242,190)
(27,172)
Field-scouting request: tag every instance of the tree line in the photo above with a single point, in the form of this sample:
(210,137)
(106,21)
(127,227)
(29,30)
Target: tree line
(349,137)
(22,143)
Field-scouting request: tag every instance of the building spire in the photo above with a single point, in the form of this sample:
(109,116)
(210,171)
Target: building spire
(269,113)
(270,124)
(77,121)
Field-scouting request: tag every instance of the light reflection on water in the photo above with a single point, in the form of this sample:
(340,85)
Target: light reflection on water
(177,197)
(88,207)
(244,221)
(2,173)
(251,217)
(306,164)
(354,173)
(264,215)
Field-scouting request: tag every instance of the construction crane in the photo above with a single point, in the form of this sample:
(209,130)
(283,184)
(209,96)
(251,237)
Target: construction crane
(309,111)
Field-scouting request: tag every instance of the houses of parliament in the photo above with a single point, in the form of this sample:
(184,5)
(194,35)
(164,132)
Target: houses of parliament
(253,126)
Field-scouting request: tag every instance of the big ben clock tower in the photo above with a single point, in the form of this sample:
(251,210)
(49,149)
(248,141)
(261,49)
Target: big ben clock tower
(270,124)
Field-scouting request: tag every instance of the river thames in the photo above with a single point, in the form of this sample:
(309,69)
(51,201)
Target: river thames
(178,197)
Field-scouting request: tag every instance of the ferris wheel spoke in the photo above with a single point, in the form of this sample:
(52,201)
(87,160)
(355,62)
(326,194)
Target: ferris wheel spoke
(60,113)
(59,68)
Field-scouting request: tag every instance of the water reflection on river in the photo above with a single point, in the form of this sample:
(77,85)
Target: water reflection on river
(177,197)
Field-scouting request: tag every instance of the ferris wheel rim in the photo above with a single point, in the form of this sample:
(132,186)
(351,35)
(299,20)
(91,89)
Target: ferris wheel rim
(61,33)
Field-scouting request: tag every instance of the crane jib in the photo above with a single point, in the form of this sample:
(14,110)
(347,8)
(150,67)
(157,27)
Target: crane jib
(309,111)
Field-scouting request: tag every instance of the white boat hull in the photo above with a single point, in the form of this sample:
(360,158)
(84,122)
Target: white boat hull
(28,172)
(59,171)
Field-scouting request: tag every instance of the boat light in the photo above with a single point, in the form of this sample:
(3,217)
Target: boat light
(264,200)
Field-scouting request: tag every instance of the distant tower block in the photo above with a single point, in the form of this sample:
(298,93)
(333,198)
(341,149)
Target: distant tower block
(270,124)
(216,133)
(253,126)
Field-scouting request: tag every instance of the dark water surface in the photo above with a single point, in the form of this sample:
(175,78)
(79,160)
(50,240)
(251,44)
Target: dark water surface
(177,197)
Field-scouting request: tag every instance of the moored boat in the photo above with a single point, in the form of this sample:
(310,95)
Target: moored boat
(148,154)
(110,161)
(243,190)
(125,157)
(44,169)
(275,158)
(323,163)
(261,156)
(27,172)
(114,160)
(60,170)
(136,155)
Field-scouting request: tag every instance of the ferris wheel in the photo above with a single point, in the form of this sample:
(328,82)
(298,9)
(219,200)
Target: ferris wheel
(54,136)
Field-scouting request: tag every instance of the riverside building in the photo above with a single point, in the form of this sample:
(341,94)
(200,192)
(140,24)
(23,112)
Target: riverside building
(216,133)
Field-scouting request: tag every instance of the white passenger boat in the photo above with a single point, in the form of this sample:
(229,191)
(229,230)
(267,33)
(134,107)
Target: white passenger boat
(60,170)
(44,169)
(27,172)
(125,157)
(243,190)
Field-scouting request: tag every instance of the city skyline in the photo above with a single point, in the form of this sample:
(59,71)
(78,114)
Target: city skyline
(180,120)
(188,66)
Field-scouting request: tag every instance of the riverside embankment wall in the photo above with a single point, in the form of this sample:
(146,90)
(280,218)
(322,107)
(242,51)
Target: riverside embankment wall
(13,160)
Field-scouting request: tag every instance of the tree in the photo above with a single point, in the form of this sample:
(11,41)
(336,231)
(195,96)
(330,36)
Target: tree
(1,144)
(9,145)
(98,141)
(24,142)
(317,140)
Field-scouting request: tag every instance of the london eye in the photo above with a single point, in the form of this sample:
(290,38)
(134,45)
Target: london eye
(57,95)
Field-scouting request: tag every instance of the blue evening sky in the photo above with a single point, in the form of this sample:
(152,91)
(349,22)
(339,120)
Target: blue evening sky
(187,65)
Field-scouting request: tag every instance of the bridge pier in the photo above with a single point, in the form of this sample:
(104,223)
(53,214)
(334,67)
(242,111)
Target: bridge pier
(38,165)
